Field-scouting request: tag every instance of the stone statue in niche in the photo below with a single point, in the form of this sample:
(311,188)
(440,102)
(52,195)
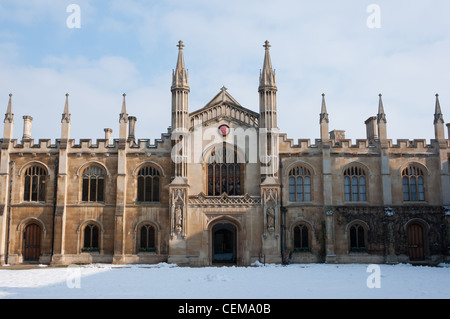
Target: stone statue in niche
(178,219)
(270,219)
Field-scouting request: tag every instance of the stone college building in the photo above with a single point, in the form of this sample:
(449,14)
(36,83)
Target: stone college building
(224,186)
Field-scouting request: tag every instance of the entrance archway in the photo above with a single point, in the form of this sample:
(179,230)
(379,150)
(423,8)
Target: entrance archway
(223,243)
(32,242)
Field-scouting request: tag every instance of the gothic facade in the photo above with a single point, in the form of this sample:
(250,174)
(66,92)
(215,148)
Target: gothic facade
(223,185)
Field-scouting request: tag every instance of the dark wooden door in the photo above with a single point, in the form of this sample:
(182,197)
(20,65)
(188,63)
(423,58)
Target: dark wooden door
(415,242)
(32,242)
(224,243)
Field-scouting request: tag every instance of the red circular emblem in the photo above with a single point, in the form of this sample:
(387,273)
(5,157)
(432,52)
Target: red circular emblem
(224,130)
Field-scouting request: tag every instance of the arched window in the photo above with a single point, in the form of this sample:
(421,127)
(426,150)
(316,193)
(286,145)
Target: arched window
(413,184)
(355,184)
(301,238)
(34,184)
(357,238)
(148,184)
(93,184)
(91,234)
(147,240)
(224,172)
(300,184)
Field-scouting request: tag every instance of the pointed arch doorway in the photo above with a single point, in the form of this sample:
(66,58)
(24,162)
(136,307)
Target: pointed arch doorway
(224,246)
(416,242)
(32,243)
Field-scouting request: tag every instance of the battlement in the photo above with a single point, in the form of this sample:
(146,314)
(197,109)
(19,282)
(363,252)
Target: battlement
(102,145)
(404,145)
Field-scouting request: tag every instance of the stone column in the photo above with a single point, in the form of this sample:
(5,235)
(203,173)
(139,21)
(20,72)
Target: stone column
(108,132)
(132,126)
(61,167)
(330,256)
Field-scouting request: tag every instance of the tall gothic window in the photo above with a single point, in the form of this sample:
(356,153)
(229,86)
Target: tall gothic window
(148,184)
(301,238)
(355,184)
(147,241)
(224,172)
(357,238)
(34,184)
(300,184)
(90,242)
(413,184)
(93,184)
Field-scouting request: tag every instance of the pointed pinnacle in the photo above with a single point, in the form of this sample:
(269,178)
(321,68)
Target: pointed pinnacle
(180,74)
(437,109)
(324,107)
(9,108)
(267,61)
(267,75)
(381,116)
(180,62)
(9,116)
(380,105)
(438,117)
(66,114)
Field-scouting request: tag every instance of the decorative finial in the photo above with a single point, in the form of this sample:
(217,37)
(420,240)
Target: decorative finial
(10,94)
(67,94)
(124,94)
(323,94)
(180,45)
(266,45)
(223,88)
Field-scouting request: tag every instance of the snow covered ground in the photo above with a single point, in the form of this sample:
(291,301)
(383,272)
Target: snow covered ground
(166,281)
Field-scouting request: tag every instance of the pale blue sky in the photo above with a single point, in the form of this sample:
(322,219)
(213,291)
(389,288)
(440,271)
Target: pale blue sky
(317,47)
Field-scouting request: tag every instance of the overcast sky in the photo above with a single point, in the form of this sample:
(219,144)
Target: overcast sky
(340,48)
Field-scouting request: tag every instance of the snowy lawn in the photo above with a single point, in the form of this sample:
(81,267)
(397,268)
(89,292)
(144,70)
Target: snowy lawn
(165,281)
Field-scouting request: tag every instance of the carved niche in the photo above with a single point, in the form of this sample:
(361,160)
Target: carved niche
(271,211)
(178,213)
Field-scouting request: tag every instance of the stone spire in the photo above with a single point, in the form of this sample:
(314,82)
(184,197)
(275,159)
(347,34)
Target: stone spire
(381,120)
(123,124)
(66,113)
(438,121)
(8,122)
(65,124)
(9,116)
(180,115)
(438,117)
(267,76)
(180,75)
(123,116)
(323,120)
(381,116)
(268,124)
